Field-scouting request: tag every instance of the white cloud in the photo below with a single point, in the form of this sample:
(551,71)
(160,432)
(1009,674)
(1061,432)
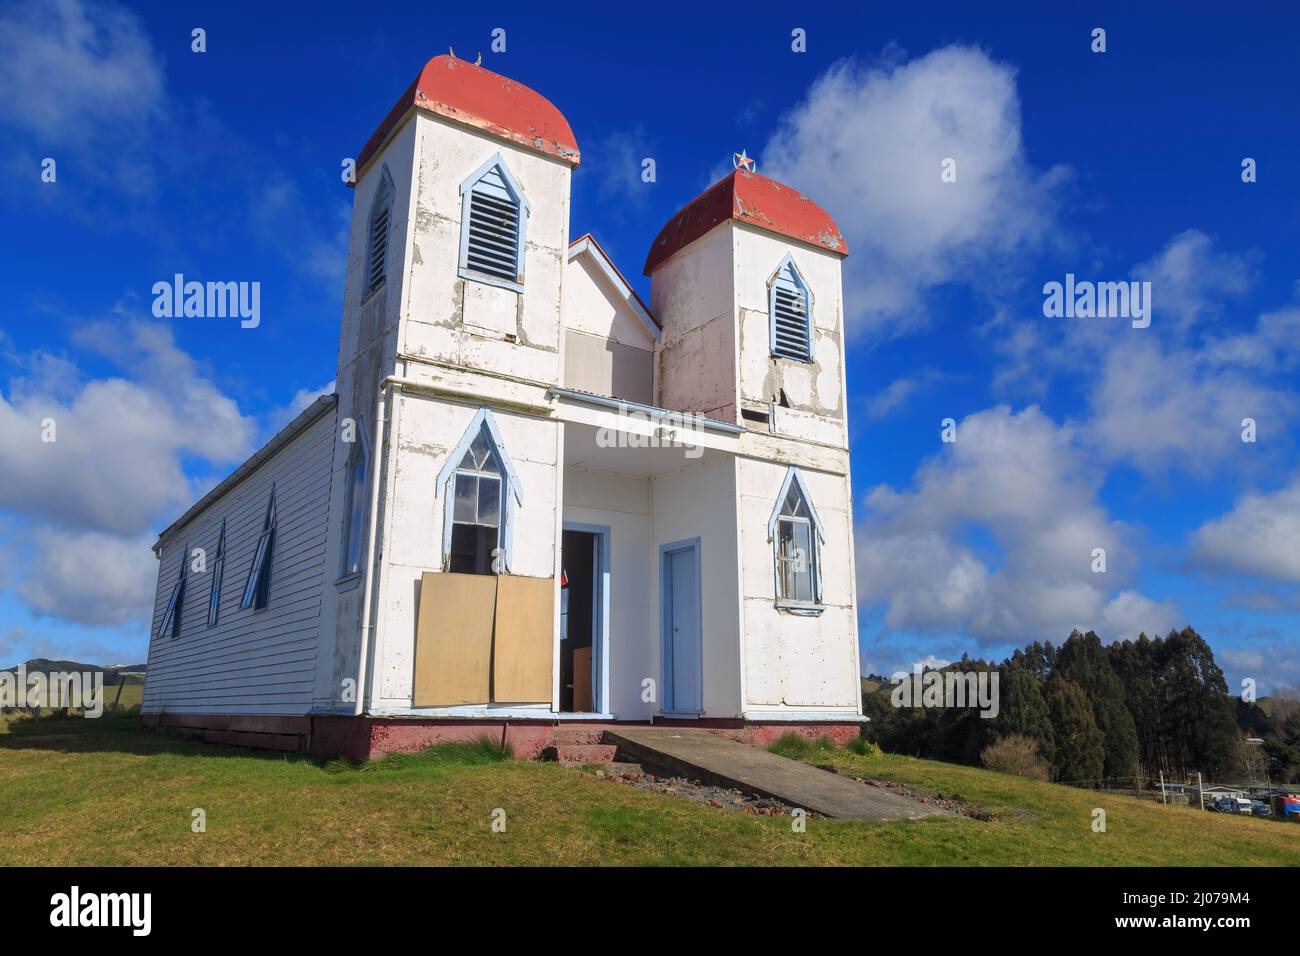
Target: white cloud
(1259,536)
(89,577)
(70,70)
(1020,486)
(1190,278)
(1170,397)
(277,418)
(1130,613)
(85,506)
(867,143)
(1161,408)
(1275,667)
(116,460)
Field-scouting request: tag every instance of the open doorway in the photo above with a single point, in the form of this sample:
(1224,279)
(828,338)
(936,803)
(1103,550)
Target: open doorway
(581,620)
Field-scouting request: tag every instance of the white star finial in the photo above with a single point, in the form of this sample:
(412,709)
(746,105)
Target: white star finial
(741,160)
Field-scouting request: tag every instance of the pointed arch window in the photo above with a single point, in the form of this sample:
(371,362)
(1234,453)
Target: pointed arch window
(493,224)
(218,572)
(171,622)
(796,534)
(355,514)
(257,590)
(377,230)
(790,305)
(480,492)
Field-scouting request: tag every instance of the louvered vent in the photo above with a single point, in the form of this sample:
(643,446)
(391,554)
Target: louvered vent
(790,316)
(492,247)
(378,248)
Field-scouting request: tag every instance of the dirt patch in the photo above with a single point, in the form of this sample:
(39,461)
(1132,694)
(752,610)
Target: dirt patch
(934,800)
(634,775)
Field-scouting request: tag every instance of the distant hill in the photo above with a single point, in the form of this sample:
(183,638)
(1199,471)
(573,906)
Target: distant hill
(872,683)
(112,673)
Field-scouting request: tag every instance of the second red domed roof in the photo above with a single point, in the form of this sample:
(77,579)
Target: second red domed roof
(496,104)
(754,199)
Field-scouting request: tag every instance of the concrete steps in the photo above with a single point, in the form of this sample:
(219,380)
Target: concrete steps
(718,761)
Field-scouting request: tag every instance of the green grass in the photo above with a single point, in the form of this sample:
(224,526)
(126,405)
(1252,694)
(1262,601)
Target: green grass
(108,792)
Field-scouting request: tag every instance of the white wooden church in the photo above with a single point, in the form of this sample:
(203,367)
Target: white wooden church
(534,500)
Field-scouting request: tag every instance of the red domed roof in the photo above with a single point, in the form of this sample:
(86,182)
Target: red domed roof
(495,104)
(753,199)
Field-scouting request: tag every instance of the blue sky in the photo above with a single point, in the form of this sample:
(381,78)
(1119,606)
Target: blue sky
(1072,433)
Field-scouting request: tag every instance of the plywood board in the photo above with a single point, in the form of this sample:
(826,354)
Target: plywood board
(523,649)
(453,642)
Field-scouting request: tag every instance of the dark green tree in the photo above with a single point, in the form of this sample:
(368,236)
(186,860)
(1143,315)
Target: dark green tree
(1083,660)
(1023,709)
(1080,750)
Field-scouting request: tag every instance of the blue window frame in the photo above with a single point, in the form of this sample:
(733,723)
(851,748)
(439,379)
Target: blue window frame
(481,491)
(257,590)
(493,226)
(796,534)
(354,516)
(790,307)
(171,622)
(218,572)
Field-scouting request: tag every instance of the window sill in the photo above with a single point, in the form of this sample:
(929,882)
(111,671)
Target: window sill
(803,610)
(490,280)
(367,296)
(348,582)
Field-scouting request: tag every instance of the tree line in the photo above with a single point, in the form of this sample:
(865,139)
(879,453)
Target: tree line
(1121,713)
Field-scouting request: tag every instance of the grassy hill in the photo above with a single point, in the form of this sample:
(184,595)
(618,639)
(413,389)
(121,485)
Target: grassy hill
(135,792)
(123,694)
(113,673)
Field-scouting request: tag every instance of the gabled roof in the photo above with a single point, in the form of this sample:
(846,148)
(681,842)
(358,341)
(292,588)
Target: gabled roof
(753,199)
(586,243)
(495,104)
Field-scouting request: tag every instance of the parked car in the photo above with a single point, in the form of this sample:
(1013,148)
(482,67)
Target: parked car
(1260,809)
(1226,804)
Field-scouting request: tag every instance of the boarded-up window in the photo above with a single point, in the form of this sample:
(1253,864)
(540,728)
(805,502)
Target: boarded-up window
(484,639)
(453,650)
(522,648)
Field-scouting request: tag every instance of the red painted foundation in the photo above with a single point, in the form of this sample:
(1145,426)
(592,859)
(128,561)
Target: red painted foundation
(363,738)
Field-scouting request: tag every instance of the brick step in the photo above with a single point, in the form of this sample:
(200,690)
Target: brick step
(577,735)
(574,754)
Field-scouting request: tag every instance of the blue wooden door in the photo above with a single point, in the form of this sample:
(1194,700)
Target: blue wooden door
(683,674)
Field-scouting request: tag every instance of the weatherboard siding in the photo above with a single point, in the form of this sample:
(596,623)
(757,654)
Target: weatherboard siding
(251,661)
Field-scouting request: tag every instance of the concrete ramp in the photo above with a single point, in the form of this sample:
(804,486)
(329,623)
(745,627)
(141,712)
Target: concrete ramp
(722,762)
